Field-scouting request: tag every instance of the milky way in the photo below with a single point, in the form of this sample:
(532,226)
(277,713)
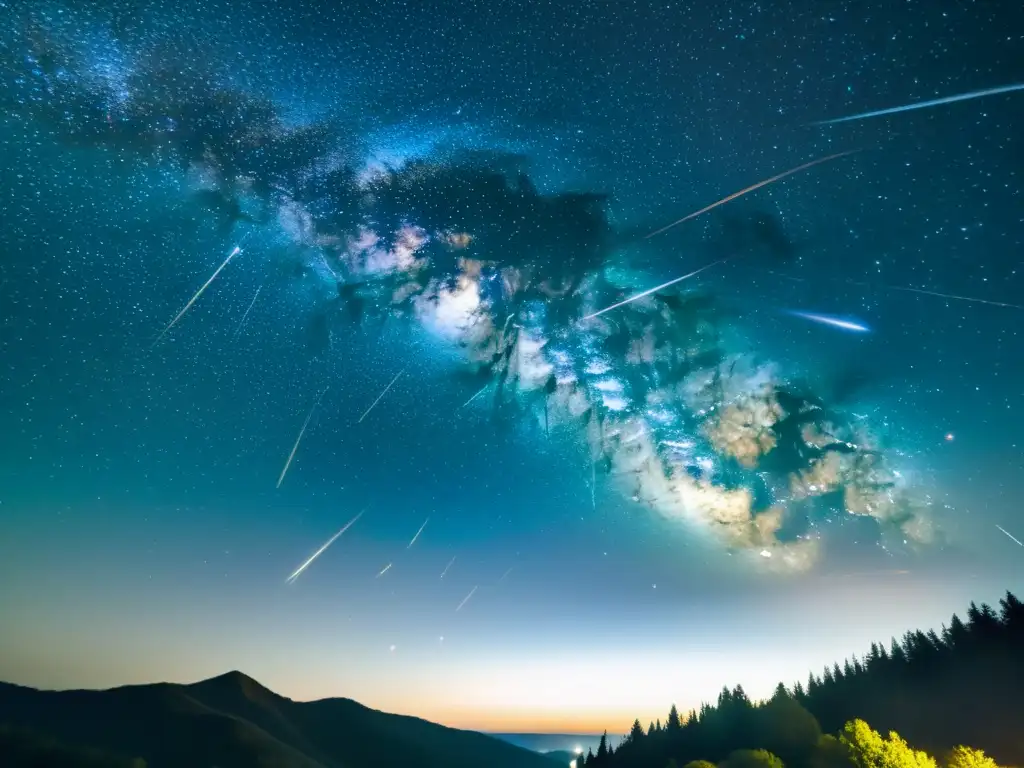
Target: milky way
(670,408)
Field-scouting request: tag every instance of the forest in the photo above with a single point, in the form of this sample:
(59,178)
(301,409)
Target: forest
(954,695)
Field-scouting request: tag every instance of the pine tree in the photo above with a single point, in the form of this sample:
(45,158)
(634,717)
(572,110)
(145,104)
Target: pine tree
(636,733)
(956,635)
(673,725)
(897,654)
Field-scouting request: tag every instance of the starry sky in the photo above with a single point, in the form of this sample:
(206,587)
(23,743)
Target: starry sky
(627,536)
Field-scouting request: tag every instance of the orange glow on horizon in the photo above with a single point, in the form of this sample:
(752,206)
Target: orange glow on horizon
(616,723)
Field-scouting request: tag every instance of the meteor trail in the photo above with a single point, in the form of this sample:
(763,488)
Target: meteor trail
(384,570)
(593,483)
(241,323)
(450,563)
(925,104)
(886,287)
(298,440)
(1010,535)
(381,395)
(846,325)
(749,189)
(474,397)
(505,576)
(237,250)
(649,291)
(418,533)
(466,599)
(305,565)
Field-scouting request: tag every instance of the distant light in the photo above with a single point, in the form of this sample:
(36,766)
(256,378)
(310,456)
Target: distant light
(578,749)
(765,553)
(392,649)
(949,437)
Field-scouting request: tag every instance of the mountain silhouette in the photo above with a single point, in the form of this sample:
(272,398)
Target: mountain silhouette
(231,721)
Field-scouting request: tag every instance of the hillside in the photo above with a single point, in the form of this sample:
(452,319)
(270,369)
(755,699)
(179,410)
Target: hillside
(23,748)
(941,691)
(232,721)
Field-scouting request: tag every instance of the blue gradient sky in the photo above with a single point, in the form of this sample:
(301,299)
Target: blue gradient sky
(142,538)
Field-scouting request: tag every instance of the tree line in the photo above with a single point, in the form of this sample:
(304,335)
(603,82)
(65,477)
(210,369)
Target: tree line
(941,690)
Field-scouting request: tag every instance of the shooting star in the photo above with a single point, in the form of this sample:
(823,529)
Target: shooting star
(381,395)
(450,563)
(418,533)
(925,104)
(887,287)
(835,322)
(649,291)
(305,565)
(1018,541)
(750,189)
(480,392)
(235,251)
(384,570)
(593,483)
(465,599)
(298,440)
(245,317)
(505,576)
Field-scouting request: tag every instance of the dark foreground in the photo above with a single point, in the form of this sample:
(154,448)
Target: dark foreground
(229,721)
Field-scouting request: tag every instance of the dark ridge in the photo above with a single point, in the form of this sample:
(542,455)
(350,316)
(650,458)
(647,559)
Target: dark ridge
(231,721)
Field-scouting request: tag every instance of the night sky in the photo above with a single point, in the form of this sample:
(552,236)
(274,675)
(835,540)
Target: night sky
(630,530)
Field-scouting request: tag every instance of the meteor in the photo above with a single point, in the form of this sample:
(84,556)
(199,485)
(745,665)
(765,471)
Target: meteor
(237,250)
(474,397)
(380,396)
(905,289)
(750,189)
(649,291)
(1010,535)
(298,571)
(593,483)
(241,323)
(466,599)
(418,533)
(384,570)
(925,104)
(835,322)
(298,440)
(450,564)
